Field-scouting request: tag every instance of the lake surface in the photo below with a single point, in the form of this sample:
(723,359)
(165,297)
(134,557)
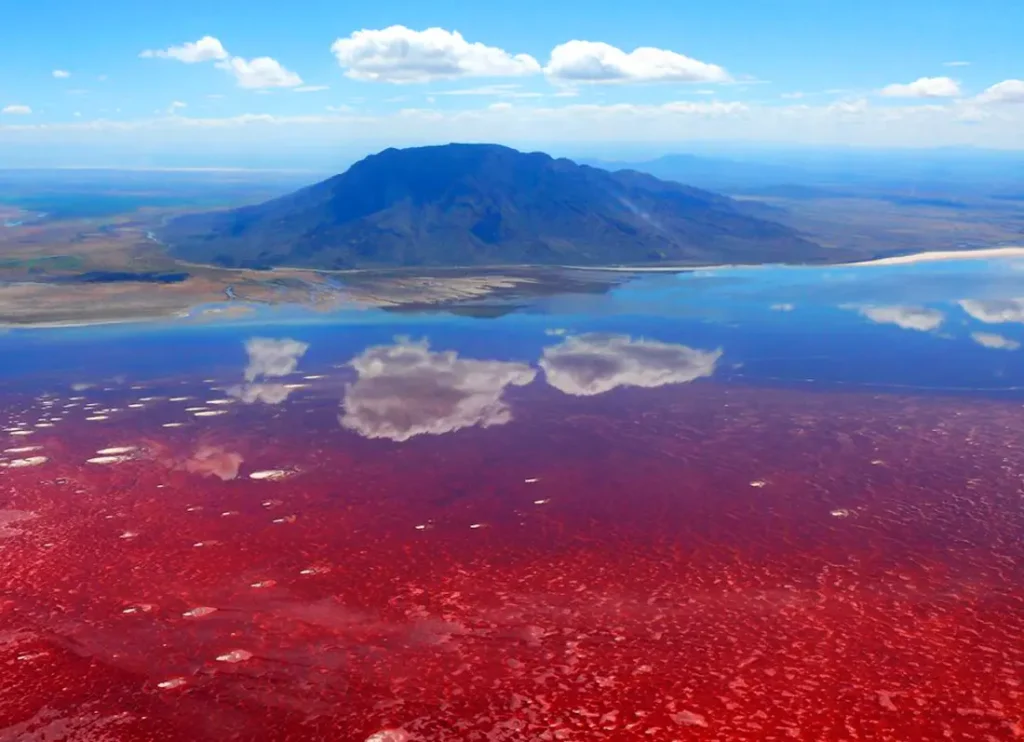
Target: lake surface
(764,504)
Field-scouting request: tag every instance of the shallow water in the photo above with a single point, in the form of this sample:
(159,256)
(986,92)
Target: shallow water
(733,504)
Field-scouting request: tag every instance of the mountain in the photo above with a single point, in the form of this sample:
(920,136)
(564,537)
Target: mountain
(477,204)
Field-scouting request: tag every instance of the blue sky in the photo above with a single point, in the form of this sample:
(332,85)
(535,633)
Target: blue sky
(123,80)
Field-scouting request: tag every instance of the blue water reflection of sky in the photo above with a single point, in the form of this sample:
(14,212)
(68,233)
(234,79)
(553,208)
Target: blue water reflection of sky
(955,325)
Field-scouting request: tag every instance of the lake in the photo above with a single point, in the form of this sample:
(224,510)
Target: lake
(740,503)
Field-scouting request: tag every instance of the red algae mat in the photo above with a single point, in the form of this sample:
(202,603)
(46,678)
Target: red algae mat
(694,562)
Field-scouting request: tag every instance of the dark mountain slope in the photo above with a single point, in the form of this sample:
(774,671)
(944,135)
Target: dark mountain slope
(467,204)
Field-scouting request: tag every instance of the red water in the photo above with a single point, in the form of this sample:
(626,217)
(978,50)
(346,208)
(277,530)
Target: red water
(695,562)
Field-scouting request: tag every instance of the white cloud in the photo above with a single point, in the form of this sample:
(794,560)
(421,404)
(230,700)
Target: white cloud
(260,73)
(500,106)
(956,64)
(913,124)
(207,49)
(924,87)
(61,74)
(585,365)
(994,341)
(784,307)
(501,91)
(311,88)
(595,61)
(272,357)
(909,318)
(404,390)
(1007,91)
(995,311)
(855,106)
(176,106)
(706,108)
(401,55)
(16,110)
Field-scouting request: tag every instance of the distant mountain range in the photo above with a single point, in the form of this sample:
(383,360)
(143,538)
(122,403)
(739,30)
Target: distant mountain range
(476,204)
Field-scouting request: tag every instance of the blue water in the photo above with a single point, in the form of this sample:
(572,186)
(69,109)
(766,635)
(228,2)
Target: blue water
(951,327)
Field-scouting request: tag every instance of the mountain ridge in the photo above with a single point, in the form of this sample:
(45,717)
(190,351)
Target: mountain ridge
(478,204)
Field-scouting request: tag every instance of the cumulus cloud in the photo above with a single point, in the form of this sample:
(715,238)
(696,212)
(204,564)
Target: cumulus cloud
(207,49)
(956,64)
(1007,91)
(996,311)
(908,318)
(585,365)
(61,74)
(260,73)
(16,110)
(924,87)
(406,389)
(994,341)
(402,55)
(597,62)
(213,461)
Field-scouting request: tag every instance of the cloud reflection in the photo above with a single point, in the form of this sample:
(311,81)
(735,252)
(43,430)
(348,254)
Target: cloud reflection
(921,319)
(994,312)
(994,341)
(585,365)
(268,358)
(214,461)
(406,389)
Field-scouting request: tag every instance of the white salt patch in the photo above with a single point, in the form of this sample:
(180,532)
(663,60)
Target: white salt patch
(44,425)
(172,683)
(203,610)
(22,449)
(148,399)
(758,483)
(195,409)
(541,502)
(30,461)
(236,655)
(136,405)
(421,527)
(98,417)
(263,583)
(114,450)
(128,535)
(108,459)
(388,735)
(313,376)
(531,481)
(476,525)
(228,513)
(178,399)
(210,413)
(295,386)
(172,425)
(315,571)
(269,474)
(21,432)
(286,519)
(840,513)
(220,401)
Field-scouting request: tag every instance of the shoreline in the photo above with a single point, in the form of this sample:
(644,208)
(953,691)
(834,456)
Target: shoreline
(178,313)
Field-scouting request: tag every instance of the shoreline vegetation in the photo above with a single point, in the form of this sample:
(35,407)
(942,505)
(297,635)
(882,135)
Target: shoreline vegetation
(41,304)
